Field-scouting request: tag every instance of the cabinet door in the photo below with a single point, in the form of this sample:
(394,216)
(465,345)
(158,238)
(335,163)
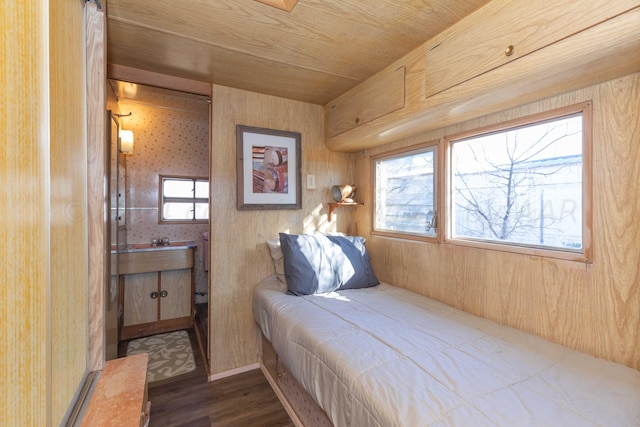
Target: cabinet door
(139,306)
(506,30)
(177,302)
(374,98)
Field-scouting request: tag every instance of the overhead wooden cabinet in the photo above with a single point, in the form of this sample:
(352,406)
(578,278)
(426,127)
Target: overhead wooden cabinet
(507,53)
(380,95)
(506,31)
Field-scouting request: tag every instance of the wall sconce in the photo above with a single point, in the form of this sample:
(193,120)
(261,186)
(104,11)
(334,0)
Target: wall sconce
(126,141)
(343,193)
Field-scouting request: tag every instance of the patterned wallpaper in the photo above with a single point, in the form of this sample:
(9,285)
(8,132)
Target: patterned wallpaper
(170,139)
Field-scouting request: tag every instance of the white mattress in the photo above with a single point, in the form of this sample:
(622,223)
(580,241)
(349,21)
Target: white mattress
(384,356)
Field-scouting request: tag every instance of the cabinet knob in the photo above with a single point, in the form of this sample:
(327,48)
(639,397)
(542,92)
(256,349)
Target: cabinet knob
(154,295)
(164,294)
(509,50)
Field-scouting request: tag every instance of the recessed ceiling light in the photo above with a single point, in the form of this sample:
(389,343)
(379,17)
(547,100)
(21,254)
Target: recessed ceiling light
(280,4)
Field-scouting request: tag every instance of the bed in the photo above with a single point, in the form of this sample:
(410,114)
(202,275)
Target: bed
(383,356)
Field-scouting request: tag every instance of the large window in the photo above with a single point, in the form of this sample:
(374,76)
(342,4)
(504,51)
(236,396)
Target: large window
(184,199)
(523,185)
(405,184)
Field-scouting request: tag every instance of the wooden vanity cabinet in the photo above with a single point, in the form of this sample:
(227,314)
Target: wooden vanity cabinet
(156,289)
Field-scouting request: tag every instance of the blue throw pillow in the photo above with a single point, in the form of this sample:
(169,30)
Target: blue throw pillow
(316,263)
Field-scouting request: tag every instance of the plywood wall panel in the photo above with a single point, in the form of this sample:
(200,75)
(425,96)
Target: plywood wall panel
(505,299)
(68,186)
(239,255)
(591,307)
(23,209)
(617,217)
(97,206)
(43,289)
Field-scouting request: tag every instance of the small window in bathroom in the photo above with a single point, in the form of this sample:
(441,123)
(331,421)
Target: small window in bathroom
(184,199)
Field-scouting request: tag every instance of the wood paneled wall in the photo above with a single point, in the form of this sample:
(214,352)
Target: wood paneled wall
(98,210)
(239,255)
(43,315)
(68,206)
(24,120)
(593,308)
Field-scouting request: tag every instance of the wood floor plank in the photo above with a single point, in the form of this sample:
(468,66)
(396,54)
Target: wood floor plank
(190,400)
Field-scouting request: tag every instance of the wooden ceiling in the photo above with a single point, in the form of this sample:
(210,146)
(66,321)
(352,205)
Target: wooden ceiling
(314,53)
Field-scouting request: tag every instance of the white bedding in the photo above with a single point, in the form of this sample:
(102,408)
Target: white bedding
(387,357)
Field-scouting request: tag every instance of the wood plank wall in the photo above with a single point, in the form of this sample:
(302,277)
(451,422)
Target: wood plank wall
(239,256)
(97,175)
(24,120)
(593,308)
(68,205)
(43,315)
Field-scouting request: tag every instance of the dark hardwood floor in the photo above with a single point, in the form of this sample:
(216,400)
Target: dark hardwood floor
(244,400)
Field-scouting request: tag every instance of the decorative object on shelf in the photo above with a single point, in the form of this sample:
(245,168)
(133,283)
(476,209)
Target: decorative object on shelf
(344,196)
(343,193)
(268,168)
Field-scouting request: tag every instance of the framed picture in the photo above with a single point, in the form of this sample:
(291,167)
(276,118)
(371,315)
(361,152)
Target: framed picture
(268,168)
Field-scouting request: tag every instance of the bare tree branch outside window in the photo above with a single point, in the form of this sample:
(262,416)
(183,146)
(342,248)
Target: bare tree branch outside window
(522,186)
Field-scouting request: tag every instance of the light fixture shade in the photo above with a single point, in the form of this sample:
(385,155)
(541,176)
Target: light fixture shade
(343,193)
(126,141)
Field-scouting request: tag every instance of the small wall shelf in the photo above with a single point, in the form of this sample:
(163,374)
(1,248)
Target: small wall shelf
(334,205)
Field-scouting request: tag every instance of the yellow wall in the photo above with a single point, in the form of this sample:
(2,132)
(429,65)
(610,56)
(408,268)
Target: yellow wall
(593,308)
(239,256)
(43,315)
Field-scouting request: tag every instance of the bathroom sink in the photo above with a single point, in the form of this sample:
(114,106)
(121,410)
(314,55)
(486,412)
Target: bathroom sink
(144,258)
(144,247)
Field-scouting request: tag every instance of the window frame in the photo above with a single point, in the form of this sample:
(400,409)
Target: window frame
(434,146)
(194,200)
(586,254)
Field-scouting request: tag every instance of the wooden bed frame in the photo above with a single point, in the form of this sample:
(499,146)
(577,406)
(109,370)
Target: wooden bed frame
(300,406)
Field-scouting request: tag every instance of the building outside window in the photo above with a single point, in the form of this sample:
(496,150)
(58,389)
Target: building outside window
(184,199)
(522,186)
(405,184)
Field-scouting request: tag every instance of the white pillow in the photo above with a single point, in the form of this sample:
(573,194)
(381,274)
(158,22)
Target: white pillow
(278,258)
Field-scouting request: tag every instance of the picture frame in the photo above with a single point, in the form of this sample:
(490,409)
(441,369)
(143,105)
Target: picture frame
(268,168)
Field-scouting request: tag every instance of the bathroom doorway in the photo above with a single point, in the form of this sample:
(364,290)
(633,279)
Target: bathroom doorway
(170,138)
